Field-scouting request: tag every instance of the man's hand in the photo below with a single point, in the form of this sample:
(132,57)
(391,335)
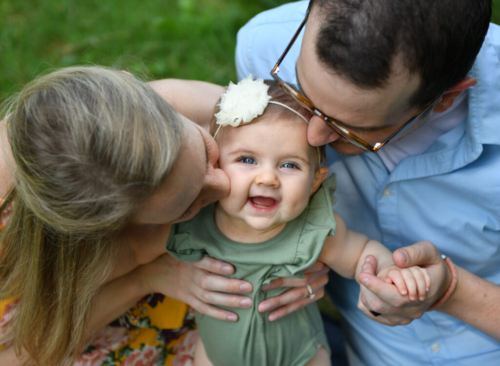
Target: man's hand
(379,297)
(298,296)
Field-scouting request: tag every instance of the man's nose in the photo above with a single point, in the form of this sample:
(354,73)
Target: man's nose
(267,177)
(318,132)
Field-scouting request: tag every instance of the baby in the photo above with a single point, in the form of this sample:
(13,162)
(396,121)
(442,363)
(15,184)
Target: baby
(276,222)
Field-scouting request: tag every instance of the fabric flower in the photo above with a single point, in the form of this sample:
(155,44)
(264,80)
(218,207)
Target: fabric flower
(243,102)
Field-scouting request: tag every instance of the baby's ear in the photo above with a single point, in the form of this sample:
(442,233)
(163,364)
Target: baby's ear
(319,177)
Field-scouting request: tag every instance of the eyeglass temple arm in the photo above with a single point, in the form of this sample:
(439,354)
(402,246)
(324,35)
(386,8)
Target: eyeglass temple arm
(276,67)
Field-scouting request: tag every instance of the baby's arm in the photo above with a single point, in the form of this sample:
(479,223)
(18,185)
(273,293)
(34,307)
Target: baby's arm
(345,253)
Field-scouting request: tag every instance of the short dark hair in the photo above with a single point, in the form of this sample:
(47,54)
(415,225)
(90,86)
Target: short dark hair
(435,39)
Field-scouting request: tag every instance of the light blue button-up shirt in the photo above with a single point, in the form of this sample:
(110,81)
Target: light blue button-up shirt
(450,195)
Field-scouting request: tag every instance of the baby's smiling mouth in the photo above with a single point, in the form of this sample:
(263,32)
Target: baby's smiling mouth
(262,203)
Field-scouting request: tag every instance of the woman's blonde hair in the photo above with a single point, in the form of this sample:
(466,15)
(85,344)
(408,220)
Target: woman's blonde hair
(89,146)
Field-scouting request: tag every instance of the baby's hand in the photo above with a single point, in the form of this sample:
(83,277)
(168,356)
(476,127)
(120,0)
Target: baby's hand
(413,281)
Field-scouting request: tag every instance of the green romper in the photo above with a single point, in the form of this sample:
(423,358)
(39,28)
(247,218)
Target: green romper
(253,340)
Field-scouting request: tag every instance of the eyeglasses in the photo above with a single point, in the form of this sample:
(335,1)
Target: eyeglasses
(332,123)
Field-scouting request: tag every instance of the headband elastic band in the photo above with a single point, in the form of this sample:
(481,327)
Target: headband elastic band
(290,109)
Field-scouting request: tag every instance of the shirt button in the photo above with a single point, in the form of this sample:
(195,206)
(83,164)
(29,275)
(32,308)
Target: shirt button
(435,348)
(387,193)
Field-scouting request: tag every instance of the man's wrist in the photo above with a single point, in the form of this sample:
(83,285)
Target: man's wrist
(451,285)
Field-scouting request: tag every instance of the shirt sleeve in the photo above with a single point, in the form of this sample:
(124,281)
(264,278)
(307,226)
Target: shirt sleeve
(319,223)
(264,38)
(181,245)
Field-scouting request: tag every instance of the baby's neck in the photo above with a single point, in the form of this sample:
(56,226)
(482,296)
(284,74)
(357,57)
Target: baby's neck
(238,230)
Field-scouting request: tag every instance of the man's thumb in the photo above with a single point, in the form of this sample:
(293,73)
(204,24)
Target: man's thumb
(420,254)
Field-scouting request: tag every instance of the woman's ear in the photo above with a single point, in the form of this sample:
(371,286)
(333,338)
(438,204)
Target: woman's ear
(319,177)
(453,93)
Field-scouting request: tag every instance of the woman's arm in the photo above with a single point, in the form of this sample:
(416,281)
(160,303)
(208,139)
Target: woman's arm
(193,99)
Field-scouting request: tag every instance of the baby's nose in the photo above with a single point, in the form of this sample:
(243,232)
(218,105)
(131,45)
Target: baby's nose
(267,177)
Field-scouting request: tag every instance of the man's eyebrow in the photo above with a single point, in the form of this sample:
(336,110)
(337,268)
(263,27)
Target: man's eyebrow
(339,122)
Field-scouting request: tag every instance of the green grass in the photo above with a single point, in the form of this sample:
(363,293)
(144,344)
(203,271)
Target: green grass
(191,39)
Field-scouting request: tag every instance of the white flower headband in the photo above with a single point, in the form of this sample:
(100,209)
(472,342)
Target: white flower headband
(245,101)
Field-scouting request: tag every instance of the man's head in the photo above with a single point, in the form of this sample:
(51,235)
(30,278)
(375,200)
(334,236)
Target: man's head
(373,64)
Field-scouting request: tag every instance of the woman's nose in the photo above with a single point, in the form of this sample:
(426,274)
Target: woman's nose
(267,177)
(216,186)
(318,132)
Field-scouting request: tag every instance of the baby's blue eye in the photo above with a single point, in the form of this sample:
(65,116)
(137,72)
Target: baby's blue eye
(248,160)
(289,166)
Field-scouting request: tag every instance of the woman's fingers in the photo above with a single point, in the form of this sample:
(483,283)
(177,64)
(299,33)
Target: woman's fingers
(209,279)
(212,311)
(214,265)
(218,298)
(210,282)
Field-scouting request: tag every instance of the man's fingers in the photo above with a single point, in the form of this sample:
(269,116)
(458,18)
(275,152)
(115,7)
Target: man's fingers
(370,265)
(295,305)
(381,289)
(389,320)
(285,282)
(317,270)
(422,253)
(317,267)
(288,298)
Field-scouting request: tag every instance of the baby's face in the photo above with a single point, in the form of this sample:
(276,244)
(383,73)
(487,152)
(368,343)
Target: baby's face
(272,169)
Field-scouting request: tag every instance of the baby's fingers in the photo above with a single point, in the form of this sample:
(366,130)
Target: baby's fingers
(427,279)
(411,284)
(418,274)
(395,277)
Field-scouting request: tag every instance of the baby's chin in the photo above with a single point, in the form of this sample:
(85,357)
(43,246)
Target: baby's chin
(261,225)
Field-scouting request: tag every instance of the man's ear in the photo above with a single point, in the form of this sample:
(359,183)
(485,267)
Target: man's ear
(453,93)
(319,177)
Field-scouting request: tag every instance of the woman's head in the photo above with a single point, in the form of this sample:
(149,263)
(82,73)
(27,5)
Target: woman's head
(272,168)
(89,146)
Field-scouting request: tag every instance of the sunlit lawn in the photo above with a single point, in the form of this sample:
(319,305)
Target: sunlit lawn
(157,38)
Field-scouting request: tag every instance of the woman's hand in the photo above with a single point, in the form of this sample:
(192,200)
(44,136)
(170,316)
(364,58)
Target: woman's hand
(298,296)
(382,301)
(197,284)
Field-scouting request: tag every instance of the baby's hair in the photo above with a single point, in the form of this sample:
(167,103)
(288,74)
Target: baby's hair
(279,112)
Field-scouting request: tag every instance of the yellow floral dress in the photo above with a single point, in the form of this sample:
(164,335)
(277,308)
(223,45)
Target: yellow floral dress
(158,331)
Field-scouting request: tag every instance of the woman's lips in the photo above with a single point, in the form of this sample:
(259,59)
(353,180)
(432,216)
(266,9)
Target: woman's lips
(263,204)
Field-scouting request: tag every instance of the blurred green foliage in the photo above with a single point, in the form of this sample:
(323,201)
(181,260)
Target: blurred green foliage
(192,39)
